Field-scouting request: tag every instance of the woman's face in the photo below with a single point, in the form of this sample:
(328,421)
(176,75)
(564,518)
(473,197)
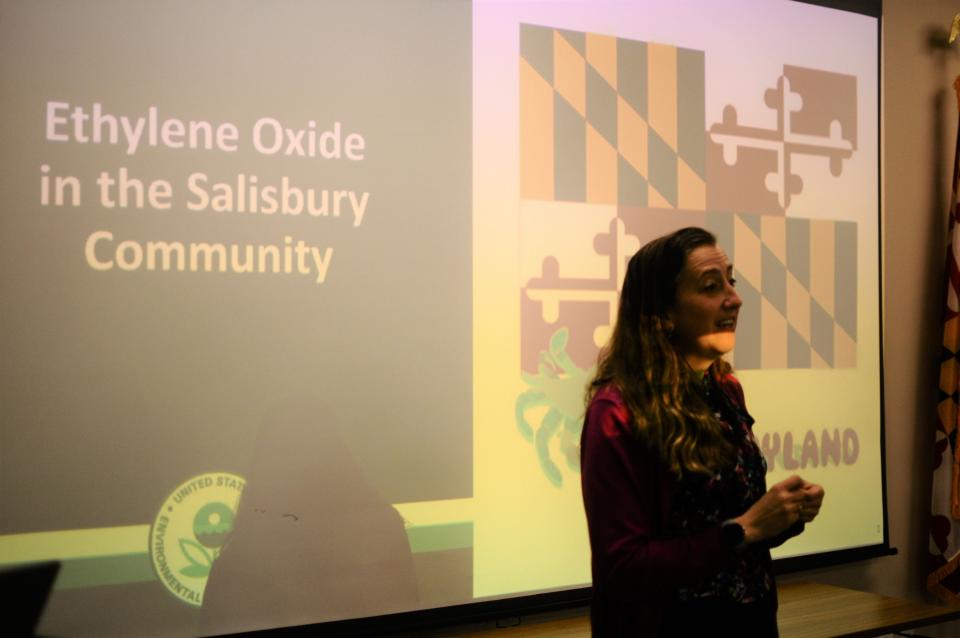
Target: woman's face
(704,317)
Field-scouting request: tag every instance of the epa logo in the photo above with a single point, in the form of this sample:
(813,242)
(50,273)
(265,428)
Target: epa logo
(191,528)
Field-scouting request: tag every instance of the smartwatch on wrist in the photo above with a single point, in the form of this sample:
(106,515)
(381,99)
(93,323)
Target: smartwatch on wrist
(733,535)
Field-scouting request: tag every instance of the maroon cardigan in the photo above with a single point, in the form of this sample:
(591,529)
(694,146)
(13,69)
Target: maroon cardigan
(627,496)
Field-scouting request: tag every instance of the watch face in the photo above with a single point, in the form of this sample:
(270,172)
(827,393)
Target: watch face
(732,533)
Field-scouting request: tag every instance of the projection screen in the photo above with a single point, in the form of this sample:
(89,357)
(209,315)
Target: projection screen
(300,298)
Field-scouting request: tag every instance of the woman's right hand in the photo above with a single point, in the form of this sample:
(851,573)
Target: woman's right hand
(776,510)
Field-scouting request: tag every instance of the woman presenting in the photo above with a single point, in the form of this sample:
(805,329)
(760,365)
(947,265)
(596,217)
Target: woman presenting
(681,522)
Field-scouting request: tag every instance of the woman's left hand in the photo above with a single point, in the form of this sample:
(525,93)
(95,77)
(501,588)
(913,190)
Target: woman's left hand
(812,500)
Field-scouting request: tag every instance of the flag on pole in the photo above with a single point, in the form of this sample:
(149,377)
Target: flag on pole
(944,575)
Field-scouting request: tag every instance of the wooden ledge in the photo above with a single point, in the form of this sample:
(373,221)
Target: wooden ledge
(807,610)
(811,610)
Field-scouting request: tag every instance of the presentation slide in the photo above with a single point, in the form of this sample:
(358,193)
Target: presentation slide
(300,298)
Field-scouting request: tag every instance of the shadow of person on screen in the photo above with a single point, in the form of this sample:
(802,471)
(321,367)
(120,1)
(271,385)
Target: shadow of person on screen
(313,540)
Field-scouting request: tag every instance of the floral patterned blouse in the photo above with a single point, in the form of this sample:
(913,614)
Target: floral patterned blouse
(701,502)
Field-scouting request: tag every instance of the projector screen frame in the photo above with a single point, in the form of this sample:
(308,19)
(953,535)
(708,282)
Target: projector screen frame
(508,604)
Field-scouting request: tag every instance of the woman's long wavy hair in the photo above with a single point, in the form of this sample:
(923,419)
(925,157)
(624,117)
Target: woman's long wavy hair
(659,388)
